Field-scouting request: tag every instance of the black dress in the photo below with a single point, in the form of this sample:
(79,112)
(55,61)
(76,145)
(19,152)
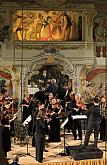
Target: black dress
(26,111)
(39,138)
(5,142)
(54,132)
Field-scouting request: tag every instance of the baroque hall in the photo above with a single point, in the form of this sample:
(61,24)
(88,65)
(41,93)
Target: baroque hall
(45,42)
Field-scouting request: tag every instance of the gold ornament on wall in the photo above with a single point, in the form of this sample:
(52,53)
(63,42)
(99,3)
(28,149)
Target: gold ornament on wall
(50,59)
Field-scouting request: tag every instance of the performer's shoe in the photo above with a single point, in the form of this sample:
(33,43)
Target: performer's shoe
(80,138)
(75,137)
(39,161)
(46,150)
(83,147)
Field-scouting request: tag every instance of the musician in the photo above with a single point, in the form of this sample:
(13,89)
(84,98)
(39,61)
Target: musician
(93,122)
(5,142)
(54,124)
(103,106)
(40,135)
(25,105)
(70,105)
(48,100)
(40,106)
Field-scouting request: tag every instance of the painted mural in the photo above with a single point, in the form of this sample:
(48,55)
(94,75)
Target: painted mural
(95,84)
(6,82)
(30,25)
(5,24)
(100,24)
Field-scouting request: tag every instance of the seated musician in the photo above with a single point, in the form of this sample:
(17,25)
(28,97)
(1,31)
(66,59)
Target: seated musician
(54,124)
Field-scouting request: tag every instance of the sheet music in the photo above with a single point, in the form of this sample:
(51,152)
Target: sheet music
(63,124)
(27,120)
(78,117)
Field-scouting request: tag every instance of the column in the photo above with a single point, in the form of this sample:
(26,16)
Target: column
(85,14)
(91,17)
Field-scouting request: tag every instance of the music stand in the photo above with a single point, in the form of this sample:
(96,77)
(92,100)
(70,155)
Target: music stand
(64,115)
(79,117)
(25,124)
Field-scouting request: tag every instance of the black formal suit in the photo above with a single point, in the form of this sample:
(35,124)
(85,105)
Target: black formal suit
(93,124)
(103,124)
(39,138)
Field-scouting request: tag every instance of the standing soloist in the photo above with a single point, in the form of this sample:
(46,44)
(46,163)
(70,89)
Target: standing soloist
(40,135)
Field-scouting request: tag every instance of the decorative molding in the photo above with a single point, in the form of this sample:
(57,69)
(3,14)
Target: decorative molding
(51,45)
(50,5)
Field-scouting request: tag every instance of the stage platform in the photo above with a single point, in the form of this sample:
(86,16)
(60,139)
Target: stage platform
(53,156)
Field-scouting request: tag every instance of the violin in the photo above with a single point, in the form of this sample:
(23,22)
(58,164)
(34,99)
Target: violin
(80,104)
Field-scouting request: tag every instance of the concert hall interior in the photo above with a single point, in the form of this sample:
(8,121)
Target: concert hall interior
(53,95)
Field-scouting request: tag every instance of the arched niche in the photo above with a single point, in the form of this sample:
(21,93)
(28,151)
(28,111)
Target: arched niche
(48,59)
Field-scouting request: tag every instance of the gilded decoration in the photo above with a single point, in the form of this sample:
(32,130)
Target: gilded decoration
(32,25)
(50,59)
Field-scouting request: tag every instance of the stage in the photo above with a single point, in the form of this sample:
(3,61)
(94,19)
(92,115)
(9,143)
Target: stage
(53,156)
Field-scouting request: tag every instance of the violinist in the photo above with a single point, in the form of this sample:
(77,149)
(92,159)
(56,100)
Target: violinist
(48,100)
(8,105)
(54,124)
(77,111)
(70,105)
(39,107)
(5,142)
(75,105)
(103,124)
(25,105)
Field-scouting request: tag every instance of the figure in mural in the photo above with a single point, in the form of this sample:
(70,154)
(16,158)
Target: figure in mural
(34,30)
(66,28)
(56,29)
(46,30)
(5,33)
(17,28)
(89,92)
(99,31)
(4,30)
(38,25)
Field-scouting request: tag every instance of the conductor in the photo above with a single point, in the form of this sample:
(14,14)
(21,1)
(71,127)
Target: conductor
(93,123)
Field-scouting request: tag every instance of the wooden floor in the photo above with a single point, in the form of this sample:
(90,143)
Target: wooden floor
(54,150)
